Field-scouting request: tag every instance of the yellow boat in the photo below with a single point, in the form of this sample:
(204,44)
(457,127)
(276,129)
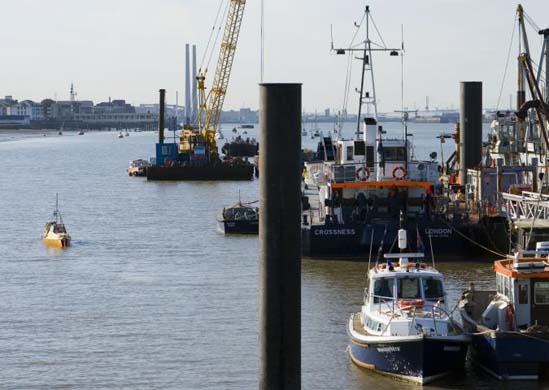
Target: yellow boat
(55,234)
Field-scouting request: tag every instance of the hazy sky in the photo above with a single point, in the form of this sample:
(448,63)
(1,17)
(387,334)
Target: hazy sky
(131,48)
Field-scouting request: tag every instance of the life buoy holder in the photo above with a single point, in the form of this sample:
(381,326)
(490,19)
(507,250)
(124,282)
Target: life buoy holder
(363,173)
(410,303)
(167,162)
(401,175)
(510,316)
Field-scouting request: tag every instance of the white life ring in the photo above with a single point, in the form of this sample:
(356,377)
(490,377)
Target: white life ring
(399,173)
(362,173)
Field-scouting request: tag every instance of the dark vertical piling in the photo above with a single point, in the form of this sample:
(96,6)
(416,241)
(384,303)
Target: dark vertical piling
(280,236)
(161,116)
(470,126)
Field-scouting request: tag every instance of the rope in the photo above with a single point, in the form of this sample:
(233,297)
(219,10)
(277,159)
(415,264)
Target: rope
(507,63)
(378,33)
(350,68)
(471,240)
(510,332)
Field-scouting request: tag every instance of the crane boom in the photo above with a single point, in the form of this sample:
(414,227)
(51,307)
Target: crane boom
(213,104)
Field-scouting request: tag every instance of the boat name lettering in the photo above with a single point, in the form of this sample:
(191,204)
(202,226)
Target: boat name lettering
(388,349)
(335,232)
(438,232)
(449,348)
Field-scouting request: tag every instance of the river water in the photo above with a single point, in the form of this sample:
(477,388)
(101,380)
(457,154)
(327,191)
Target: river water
(151,295)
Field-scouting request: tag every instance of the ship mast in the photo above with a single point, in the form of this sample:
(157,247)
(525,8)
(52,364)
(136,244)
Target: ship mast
(367,66)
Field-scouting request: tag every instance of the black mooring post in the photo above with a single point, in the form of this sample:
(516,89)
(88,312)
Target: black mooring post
(280,237)
(470,126)
(161,116)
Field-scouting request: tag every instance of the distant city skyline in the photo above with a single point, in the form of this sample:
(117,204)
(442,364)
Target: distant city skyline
(138,47)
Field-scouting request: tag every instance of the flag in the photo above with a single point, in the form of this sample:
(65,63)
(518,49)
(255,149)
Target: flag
(420,246)
(381,154)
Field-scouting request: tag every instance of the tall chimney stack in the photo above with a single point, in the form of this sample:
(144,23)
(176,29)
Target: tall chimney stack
(161,117)
(195,99)
(187,86)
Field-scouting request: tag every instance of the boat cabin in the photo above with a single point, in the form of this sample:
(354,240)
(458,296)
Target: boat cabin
(525,283)
(374,177)
(400,290)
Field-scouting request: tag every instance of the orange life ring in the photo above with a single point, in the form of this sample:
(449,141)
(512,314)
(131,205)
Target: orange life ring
(362,173)
(410,303)
(400,176)
(510,316)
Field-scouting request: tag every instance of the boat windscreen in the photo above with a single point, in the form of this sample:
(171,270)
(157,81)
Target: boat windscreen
(383,288)
(432,288)
(408,288)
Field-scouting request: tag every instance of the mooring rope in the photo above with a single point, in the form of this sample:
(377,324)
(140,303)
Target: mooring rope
(473,241)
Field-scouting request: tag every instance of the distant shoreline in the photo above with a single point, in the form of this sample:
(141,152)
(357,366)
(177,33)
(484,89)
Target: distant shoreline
(7,135)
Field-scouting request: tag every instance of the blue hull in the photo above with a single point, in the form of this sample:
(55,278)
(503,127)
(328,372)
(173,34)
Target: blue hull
(420,361)
(511,356)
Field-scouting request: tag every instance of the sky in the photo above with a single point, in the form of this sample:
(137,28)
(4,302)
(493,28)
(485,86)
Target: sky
(128,49)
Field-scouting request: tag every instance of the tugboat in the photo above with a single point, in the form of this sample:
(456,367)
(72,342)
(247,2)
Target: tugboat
(510,326)
(241,218)
(55,234)
(404,328)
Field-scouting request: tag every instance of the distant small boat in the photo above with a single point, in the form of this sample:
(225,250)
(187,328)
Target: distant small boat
(241,218)
(81,132)
(120,135)
(235,130)
(55,234)
(304,133)
(138,167)
(60,133)
(244,132)
(127,134)
(247,126)
(219,135)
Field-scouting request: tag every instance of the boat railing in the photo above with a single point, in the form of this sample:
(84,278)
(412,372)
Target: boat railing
(428,309)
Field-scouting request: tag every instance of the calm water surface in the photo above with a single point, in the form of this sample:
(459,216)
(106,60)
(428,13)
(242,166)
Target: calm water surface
(151,295)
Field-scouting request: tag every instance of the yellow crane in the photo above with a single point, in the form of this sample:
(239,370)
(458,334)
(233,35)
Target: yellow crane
(210,105)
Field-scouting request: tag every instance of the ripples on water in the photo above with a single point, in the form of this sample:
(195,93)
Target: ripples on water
(150,295)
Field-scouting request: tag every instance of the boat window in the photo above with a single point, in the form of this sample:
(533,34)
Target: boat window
(350,156)
(408,288)
(522,293)
(369,156)
(383,288)
(541,293)
(394,153)
(432,288)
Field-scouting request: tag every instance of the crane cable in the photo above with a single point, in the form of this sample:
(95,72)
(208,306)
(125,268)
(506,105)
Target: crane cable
(209,50)
(531,21)
(218,32)
(211,34)
(507,63)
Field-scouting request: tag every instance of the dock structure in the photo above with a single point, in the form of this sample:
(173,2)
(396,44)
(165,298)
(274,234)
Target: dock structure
(280,237)
(527,206)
